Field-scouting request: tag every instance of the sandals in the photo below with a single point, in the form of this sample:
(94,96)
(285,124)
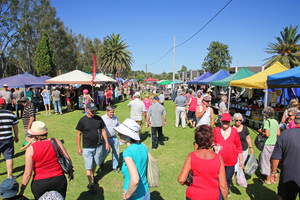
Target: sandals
(264,181)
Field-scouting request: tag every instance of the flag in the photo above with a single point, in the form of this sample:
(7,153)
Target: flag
(94,68)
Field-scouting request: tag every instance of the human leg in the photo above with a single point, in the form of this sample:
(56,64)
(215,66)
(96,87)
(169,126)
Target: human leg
(177,116)
(115,152)
(49,109)
(182,117)
(9,167)
(160,136)
(264,162)
(229,170)
(55,104)
(154,137)
(7,148)
(59,106)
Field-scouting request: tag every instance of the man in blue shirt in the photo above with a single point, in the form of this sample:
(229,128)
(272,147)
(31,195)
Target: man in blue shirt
(111,122)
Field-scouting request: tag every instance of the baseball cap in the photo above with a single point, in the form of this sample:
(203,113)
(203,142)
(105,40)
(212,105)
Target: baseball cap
(91,106)
(156,98)
(137,94)
(23,99)
(206,98)
(2,101)
(226,117)
(17,87)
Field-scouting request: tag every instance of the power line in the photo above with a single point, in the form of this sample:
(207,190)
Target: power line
(193,34)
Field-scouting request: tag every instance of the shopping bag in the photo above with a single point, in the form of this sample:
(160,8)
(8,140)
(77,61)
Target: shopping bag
(240,178)
(251,165)
(152,173)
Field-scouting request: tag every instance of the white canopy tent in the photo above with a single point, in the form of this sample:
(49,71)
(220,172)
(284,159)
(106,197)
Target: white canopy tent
(104,79)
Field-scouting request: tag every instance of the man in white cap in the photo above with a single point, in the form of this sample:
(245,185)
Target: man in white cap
(137,110)
(91,126)
(180,102)
(7,95)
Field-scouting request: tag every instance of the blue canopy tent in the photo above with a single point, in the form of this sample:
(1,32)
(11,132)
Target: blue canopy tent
(120,80)
(289,79)
(21,81)
(215,77)
(44,78)
(202,77)
(28,74)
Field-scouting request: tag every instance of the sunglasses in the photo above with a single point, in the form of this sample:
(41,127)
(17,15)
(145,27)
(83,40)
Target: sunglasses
(290,115)
(238,120)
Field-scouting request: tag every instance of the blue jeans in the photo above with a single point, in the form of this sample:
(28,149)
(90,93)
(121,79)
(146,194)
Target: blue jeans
(229,171)
(57,104)
(114,144)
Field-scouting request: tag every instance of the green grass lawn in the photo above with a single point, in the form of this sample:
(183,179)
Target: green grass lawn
(170,157)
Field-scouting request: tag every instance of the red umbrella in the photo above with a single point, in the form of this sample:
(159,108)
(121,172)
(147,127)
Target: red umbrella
(150,79)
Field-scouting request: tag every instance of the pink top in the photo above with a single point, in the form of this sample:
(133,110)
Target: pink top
(45,162)
(291,125)
(147,103)
(193,104)
(230,147)
(205,178)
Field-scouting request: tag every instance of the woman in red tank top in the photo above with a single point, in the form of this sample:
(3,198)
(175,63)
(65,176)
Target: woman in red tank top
(208,169)
(41,158)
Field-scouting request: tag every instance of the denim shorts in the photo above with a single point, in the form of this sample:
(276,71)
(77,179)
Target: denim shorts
(92,157)
(7,148)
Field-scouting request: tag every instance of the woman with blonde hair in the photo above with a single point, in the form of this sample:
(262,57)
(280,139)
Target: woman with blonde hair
(293,104)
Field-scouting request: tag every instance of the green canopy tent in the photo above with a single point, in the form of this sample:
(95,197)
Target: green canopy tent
(242,73)
(165,82)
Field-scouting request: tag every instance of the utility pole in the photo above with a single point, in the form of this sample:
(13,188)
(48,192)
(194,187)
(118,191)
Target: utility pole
(146,71)
(174,61)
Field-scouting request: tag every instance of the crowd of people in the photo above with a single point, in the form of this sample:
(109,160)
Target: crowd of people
(219,151)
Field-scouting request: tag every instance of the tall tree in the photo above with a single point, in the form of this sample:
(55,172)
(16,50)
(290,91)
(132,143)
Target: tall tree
(286,49)
(183,69)
(44,57)
(218,57)
(115,54)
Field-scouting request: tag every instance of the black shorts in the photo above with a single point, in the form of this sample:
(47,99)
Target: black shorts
(191,115)
(57,183)
(7,148)
(108,100)
(288,191)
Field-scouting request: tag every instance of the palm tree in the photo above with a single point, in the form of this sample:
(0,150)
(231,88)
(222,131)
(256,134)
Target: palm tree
(114,55)
(286,49)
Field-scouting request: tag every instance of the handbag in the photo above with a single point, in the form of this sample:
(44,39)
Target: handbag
(63,161)
(189,179)
(152,172)
(260,140)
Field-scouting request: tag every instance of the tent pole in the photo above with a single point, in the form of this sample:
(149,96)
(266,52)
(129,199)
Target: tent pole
(284,98)
(229,98)
(266,96)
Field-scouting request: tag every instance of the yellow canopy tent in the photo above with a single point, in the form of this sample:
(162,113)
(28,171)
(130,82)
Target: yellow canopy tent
(259,80)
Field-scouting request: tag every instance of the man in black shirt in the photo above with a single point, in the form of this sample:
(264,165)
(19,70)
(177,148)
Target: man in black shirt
(287,150)
(91,127)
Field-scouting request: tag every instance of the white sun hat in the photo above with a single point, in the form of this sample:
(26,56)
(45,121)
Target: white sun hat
(38,128)
(129,128)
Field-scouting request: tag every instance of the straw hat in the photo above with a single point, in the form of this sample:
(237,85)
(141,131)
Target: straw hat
(129,128)
(38,128)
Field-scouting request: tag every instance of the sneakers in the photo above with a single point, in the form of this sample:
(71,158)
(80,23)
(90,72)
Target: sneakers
(91,188)
(116,170)
(162,143)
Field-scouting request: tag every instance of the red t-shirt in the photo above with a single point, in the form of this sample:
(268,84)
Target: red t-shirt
(108,94)
(230,147)
(193,105)
(45,162)
(205,178)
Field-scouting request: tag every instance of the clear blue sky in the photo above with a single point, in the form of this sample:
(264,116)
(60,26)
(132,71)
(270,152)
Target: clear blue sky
(149,27)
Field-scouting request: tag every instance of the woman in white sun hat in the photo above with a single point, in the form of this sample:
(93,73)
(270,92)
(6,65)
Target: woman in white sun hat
(135,158)
(41,159)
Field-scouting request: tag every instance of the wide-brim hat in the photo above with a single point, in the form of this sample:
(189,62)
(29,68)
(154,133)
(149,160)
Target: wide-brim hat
(129,128)
(38,128)
(9,188)
(137,94)
(209,90)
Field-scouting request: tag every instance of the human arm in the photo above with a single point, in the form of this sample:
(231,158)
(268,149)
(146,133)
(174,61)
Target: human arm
(16,132)
(283,119)
(79,149)
(28,169)
(30,123)
(165,120)
(248,139)
(212,117)
(198,111)
(104,135)
(222,180)
(240,156)
(134,178)
(185,170)
(274,165)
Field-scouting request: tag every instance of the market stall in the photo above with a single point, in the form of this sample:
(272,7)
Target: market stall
(197,80)
(252,106)
(215,77)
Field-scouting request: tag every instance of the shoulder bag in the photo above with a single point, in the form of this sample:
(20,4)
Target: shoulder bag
(260,140)
(63,161)
(152,172)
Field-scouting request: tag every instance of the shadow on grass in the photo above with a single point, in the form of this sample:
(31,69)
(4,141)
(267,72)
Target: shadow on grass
(155,195)
(99,194)
(15,170)
(144,135)
(259,191)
